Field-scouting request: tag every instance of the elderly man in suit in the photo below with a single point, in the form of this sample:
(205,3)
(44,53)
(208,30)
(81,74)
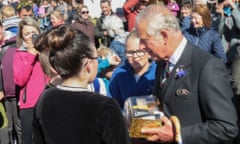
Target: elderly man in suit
(197,90)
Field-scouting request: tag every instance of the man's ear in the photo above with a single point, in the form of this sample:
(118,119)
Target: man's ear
(164,35)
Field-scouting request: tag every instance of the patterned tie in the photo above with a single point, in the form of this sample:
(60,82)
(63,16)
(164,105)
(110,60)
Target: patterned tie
(166,72)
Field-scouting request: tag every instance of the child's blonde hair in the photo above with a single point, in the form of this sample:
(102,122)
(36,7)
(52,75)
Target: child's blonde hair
(105,52)
(7,11)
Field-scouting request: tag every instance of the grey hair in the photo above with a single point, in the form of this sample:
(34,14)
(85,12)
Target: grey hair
(157,17)
(113,24)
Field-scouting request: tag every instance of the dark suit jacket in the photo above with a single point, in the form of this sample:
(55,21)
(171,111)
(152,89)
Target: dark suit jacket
(207,113)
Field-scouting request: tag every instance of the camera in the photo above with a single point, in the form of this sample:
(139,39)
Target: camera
(34,37)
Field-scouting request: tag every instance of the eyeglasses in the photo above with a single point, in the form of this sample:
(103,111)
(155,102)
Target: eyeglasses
(138,53)
(94,58)
(84,12)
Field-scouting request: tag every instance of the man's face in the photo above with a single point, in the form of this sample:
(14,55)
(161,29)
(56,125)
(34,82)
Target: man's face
(106,8)
(154,45)
(24,13)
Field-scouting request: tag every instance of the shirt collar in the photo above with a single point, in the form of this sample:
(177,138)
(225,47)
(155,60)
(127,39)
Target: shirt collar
(178,52)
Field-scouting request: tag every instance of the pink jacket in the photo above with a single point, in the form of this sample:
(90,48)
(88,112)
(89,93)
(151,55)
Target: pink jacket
(29,76)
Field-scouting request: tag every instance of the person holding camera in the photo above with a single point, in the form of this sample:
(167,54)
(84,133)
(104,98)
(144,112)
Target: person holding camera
(229,29)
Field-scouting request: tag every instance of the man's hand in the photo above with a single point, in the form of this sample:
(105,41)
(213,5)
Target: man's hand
(165,133)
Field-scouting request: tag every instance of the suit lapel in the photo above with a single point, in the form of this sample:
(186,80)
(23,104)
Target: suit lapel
(172,81)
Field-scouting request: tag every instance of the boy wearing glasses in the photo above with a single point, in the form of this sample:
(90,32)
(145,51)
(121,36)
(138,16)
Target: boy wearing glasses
(136,76)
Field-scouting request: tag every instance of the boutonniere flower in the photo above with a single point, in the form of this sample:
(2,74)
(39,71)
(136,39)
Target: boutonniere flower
(180,72)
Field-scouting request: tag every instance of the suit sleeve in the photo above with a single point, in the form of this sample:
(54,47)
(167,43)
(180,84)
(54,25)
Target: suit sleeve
(216,103)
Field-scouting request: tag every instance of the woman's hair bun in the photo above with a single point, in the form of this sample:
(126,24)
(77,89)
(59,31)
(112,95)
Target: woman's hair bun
(60,38)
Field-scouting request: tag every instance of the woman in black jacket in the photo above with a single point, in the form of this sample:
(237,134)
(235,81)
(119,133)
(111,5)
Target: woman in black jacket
(69,112)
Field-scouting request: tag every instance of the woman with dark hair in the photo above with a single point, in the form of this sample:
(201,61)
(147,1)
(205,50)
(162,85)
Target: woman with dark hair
(69,112)
(43,49)
(202,34)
